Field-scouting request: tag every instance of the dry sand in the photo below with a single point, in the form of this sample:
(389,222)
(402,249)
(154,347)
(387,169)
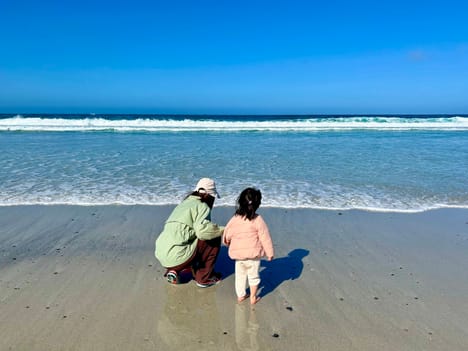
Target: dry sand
(85,278)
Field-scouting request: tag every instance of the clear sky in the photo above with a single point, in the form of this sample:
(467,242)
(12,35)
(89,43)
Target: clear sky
(239,57)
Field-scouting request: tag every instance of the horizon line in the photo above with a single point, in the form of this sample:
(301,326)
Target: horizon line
(235,114)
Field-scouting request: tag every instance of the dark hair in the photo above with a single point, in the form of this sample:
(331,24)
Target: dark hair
(204,197)
(248,202)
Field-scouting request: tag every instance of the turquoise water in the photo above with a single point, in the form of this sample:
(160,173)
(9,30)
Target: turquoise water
(408,164)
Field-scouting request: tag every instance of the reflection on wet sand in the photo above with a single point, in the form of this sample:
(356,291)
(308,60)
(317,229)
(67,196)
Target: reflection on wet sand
(190,319)
(246,328)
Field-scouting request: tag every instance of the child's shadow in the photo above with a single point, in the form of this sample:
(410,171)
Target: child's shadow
(281,269)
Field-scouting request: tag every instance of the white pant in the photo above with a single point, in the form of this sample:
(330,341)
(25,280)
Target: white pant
(246,269)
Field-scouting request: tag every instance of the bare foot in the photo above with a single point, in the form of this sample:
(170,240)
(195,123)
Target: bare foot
(240,299)
(254,299)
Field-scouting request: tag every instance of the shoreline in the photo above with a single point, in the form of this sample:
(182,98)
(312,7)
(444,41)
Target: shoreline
(84,277)
(224,206)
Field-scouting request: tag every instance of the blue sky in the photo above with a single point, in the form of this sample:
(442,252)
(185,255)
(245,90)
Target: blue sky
(241,57)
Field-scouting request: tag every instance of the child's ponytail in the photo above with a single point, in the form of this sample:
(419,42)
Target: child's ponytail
(248,202)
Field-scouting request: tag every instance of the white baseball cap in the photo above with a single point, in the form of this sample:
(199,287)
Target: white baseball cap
(208,186)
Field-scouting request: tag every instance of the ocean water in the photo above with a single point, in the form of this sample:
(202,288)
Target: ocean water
(379,163)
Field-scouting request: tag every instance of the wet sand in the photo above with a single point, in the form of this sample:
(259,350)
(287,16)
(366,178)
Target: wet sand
(85,278)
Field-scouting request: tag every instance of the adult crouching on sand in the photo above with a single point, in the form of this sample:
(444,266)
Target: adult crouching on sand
(189,239)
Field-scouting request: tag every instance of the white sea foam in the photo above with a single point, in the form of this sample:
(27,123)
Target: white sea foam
(310,199)
(19,123)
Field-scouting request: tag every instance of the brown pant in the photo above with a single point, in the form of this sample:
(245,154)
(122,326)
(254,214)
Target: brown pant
(203,259)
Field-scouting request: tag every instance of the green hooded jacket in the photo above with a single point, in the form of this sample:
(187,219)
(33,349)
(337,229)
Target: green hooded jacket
(189,222)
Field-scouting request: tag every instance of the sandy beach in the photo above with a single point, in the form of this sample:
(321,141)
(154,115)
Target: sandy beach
(85,278)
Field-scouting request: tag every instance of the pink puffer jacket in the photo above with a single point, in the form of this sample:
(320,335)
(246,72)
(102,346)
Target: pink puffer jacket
(248,239)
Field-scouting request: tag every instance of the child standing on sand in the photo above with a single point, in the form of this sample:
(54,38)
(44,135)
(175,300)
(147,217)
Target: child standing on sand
(249,240)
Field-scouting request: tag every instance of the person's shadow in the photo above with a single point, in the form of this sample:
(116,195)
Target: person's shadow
(280,270)
(224,264)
